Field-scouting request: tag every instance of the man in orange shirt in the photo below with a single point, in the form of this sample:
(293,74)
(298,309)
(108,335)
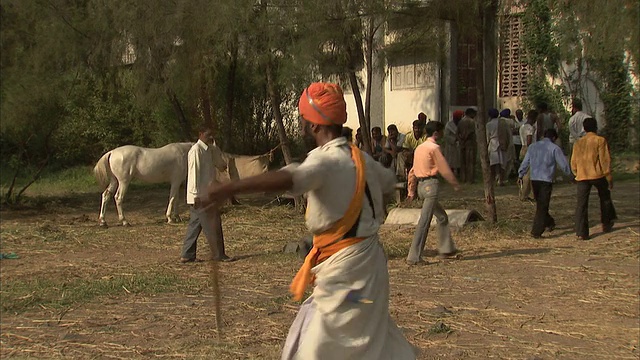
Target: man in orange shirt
(591,163)
(428,163)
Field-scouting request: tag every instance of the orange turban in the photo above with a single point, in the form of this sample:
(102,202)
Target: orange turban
(458,114)
(323,104)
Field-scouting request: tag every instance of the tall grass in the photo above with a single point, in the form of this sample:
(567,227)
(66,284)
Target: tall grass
(77,179)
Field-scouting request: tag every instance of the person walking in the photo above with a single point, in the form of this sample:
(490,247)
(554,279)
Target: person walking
(591,162)
(576,121)
(542,158)
(428,163)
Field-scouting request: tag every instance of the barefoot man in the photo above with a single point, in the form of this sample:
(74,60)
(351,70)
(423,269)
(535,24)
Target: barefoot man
(347,315)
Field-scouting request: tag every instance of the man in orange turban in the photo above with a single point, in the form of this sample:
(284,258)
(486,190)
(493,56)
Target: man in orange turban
(347,314)
(323,104)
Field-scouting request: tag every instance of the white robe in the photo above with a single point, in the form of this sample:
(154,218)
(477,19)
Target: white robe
(452,146)
(496,156)
(330,325)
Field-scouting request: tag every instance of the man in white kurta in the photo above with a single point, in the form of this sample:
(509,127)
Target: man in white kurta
(347,315)
(330,325)
(452,143)
(508,126)
(497,153)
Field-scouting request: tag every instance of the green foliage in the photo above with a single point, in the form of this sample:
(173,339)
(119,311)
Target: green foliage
(541,91)
(67,96)
(596,38)
(542,56)
(616,95)
(538,38)
(53,182)
(69,93)
(98,120)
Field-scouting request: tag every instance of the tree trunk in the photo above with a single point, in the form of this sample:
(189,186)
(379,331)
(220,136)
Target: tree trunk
(364,124)
(481,122)
(205,102)
(182,119)
(35,177)
(231,83)
(369,69)
(274,97)
(9,193)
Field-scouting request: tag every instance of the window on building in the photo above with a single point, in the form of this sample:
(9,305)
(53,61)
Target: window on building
(413,76)
(513,69)
(466,90)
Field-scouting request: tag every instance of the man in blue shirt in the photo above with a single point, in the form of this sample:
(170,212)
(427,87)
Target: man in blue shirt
(542,158)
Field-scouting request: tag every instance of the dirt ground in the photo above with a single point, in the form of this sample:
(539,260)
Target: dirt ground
(509,297)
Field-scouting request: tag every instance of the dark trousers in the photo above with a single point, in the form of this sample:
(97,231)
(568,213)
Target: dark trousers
(518,148)
(467,162)
(542,219)
(607,211)
(209,222)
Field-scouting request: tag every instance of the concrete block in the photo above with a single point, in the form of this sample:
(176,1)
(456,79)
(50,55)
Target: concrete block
(457,217)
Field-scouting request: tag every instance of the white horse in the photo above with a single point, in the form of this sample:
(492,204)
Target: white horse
(115,170)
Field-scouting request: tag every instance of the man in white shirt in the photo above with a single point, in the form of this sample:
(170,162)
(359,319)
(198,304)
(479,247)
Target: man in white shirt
(202,166)
(528,132)
(576,130)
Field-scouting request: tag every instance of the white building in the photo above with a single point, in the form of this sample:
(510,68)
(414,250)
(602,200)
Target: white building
(438,89)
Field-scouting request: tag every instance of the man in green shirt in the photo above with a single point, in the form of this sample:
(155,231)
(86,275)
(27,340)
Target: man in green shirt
(411,141)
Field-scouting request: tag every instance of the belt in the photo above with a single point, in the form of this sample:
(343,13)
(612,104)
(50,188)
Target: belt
(427,178)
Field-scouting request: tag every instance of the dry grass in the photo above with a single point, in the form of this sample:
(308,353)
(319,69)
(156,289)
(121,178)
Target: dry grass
(80,291)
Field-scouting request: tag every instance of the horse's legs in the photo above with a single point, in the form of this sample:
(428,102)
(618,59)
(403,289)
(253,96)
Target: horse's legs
(122,190)
(106,196)
(173,204)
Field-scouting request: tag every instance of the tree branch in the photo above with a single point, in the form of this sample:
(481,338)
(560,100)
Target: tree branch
(67,21)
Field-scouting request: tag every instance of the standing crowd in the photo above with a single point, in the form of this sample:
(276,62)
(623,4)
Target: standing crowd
(527,148)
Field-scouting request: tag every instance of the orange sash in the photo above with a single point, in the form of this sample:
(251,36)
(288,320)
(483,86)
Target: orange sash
(328,242)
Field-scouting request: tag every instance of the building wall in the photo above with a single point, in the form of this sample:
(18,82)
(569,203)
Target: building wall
(399,106)
(591,102)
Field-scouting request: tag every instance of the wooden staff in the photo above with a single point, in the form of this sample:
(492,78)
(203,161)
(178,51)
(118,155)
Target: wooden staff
(215,282)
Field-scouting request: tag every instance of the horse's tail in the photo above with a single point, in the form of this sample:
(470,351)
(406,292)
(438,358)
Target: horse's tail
(102,171)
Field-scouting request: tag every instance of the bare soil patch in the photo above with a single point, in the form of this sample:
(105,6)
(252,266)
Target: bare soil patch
(85,292)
